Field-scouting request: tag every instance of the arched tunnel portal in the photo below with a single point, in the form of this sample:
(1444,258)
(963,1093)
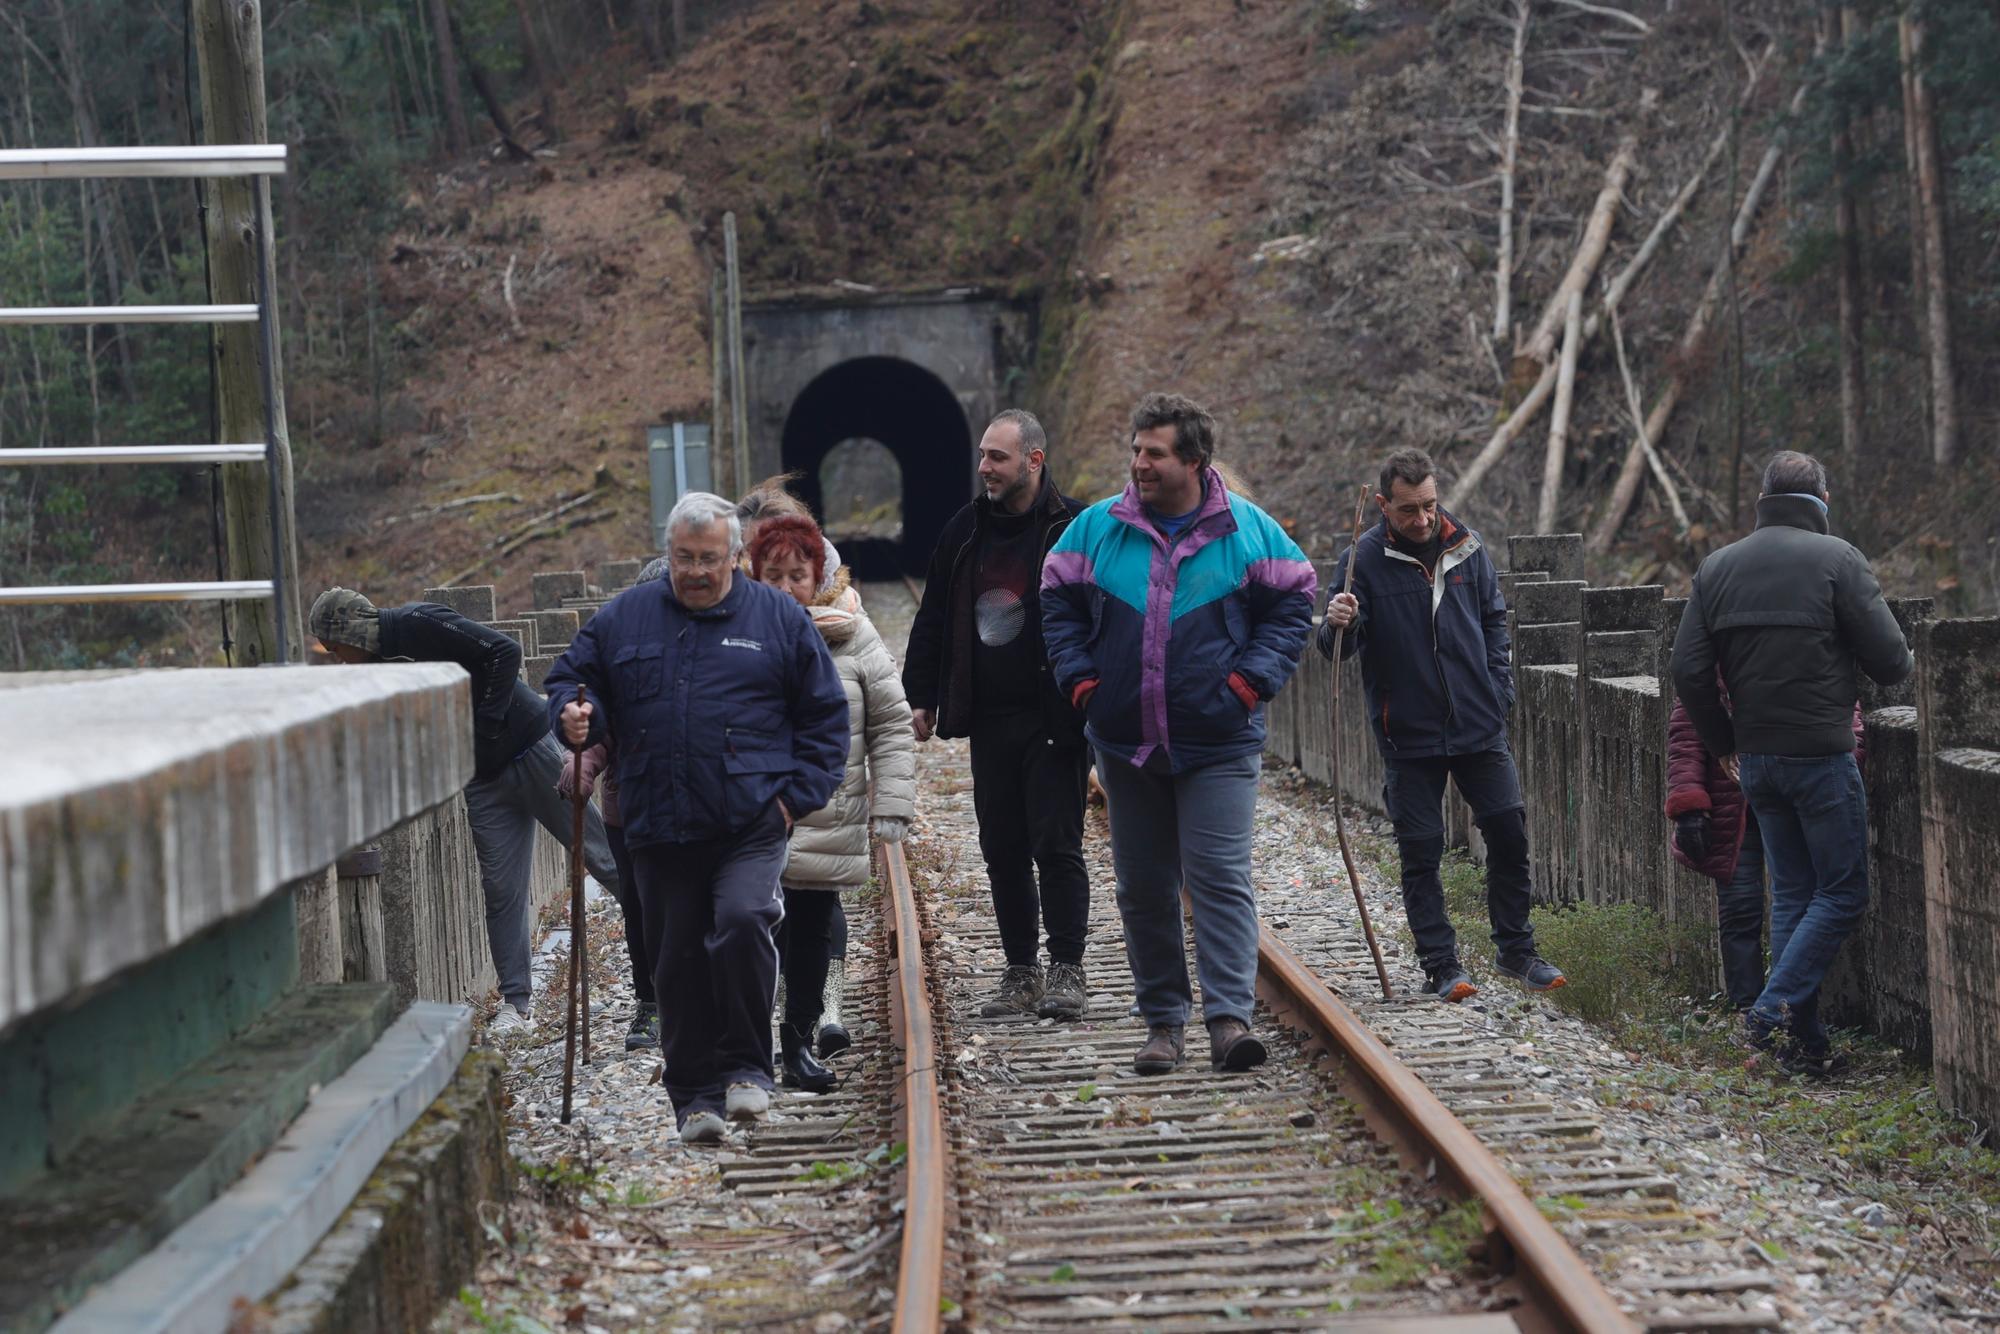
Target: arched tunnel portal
(919,420)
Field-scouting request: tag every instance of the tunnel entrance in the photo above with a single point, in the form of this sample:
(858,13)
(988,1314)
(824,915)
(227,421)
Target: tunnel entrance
(883,404)
(861,493)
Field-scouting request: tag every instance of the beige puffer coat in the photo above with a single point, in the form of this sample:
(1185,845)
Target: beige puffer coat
(830,846)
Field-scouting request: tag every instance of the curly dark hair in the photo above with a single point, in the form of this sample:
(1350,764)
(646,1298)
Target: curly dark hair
(788,535)
(1194,429)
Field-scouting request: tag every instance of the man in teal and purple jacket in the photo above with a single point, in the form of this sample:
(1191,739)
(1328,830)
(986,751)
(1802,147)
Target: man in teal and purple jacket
(1170,614)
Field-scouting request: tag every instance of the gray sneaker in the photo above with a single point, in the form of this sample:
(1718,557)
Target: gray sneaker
(1020,992)
(704,1128)
(1067,995)
(746,1101)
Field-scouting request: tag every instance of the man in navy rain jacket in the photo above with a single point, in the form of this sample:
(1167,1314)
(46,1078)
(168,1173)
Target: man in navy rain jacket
(1427,618)
(731,723)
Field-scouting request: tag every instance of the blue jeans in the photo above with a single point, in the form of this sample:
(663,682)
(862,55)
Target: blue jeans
(1739,903)
(1194,829)
(1813,813)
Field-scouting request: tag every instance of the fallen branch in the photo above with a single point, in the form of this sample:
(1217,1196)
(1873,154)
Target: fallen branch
(1510,144)
(507,291)
(521,539)
(1526,411)
(1626,488)
(1606,11)
(1541,344)
(460,503)
(1552,464)
(1637,410)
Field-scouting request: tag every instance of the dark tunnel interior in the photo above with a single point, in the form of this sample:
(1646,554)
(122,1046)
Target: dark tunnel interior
(910,411)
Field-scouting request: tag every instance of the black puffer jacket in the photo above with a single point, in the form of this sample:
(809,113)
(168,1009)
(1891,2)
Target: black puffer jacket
(937,665)
(1789,614)
(507,716)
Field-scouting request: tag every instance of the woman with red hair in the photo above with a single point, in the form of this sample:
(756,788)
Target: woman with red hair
(829,850)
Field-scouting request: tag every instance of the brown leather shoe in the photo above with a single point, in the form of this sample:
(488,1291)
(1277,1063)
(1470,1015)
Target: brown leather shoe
(1165,1045)
(1232,1046)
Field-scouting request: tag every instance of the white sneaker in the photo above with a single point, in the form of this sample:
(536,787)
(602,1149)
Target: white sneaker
(747,1102)
(704,1128)
(510,1025)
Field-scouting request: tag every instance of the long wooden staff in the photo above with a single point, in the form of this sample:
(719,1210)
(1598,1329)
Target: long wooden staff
(1339,788)
(579,953)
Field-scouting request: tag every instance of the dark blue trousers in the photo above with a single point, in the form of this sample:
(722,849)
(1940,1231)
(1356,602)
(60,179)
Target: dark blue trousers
(1414,795)
(712,909)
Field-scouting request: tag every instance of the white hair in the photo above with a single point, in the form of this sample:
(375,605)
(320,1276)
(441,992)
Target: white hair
(698,509)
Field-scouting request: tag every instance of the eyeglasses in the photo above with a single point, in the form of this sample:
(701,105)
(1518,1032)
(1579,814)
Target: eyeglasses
(706,562)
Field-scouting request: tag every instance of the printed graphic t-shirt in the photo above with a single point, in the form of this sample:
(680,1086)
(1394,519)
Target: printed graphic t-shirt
(1006,612)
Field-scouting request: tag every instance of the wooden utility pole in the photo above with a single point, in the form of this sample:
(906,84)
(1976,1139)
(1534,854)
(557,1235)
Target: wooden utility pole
(229,45)
(738,424)
(718,398)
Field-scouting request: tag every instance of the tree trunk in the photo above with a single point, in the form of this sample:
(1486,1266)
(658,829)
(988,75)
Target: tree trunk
(229,43)
(1552,466)
(1541,344)
(1937,267)
(1510,145)
(1626,488)
(458,137)
(652,31)
(496,110)
(680,28)
(538,66)
(1853,370)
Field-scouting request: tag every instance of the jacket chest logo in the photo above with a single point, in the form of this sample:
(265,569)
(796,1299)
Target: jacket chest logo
(754,645)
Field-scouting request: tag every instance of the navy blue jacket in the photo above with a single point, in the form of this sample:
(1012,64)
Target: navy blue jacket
(1434,655)
(714,712)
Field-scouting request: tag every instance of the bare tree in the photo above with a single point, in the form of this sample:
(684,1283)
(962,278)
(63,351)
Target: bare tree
(538,65)
(1853,369)
(458,138)
(1920,112)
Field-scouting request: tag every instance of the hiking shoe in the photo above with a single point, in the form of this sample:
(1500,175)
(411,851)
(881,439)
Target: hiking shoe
(645,1029)
(1232,1047)
(1165,1045)
(747,1101)
(1067,995)
(1760,1037)
(1532,971)
(510,1024)
(1020,992)
(1823,1063)
(704,1128)
(1449,982)
(1134,1012)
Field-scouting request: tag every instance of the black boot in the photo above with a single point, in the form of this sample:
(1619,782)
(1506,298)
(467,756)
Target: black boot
(802,1070)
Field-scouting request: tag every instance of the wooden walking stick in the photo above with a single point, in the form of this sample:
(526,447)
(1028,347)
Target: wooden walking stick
(579,953)
(1339,790)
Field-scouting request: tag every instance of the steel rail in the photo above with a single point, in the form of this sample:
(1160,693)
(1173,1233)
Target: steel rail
(57,455)
(920,1106)
(1557,1285)
(221,591)
(226,314)
(43,164)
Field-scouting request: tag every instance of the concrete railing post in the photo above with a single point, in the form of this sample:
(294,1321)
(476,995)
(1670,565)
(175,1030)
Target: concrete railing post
(1958,767)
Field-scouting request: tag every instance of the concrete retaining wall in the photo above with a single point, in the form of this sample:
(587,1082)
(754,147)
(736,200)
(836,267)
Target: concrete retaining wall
(1589,734)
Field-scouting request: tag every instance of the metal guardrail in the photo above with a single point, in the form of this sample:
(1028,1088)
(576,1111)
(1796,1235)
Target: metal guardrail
(258,162)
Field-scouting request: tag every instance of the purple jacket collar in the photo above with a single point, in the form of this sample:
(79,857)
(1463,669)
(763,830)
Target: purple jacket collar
(1128,508)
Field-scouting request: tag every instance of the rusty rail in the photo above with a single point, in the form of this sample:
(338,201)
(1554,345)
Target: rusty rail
(920,1109)
(1558,1288)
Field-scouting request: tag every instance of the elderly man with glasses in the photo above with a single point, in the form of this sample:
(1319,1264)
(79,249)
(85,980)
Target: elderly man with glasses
(729,723)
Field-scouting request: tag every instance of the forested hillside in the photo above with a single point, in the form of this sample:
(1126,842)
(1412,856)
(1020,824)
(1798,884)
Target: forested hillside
(495,255)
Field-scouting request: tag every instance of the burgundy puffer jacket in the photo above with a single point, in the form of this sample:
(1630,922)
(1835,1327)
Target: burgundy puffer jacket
(1695,782)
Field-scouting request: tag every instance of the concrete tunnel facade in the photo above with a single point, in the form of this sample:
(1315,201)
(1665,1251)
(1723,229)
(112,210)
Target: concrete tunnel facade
(920,373)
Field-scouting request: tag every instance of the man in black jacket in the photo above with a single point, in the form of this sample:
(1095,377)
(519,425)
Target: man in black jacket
(515,765)
(976,667)
(1789,614)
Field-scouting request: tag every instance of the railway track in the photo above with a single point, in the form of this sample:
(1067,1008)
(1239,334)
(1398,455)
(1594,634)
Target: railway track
(1372,1170)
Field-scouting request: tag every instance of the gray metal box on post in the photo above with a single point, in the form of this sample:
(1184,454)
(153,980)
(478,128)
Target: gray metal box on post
(678,462)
